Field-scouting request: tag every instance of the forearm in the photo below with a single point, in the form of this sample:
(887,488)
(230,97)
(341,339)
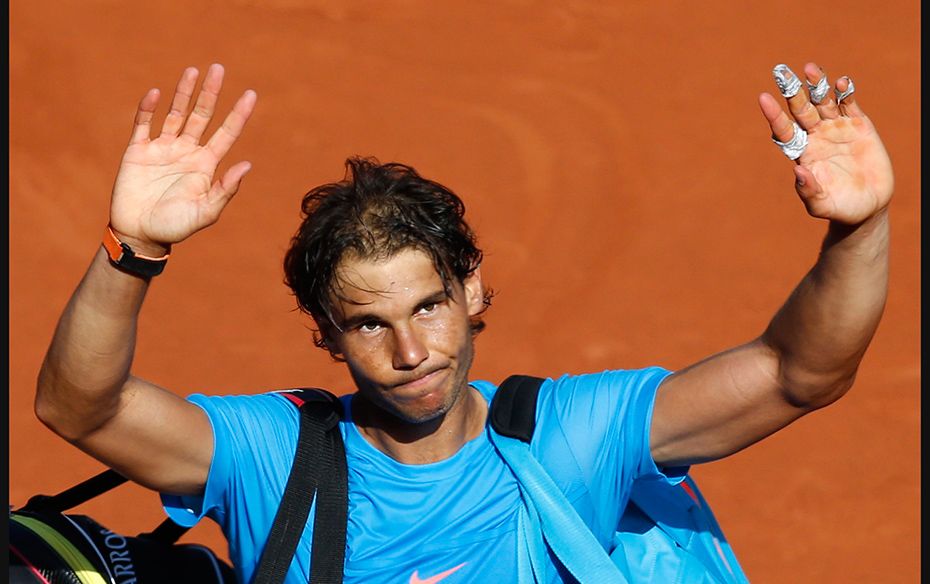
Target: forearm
(823,330)
(89,359)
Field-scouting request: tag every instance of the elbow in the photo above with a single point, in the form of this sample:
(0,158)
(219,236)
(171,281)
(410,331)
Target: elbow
(812,392)
(44,410)
(49,410)
(62,420)
(811,378)
(54,419)
(44,404)
(65,410)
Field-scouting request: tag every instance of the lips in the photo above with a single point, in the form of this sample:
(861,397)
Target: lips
(418,383)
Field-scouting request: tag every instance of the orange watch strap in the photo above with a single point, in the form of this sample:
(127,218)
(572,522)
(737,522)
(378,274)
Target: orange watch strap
(115,249)
(123,258)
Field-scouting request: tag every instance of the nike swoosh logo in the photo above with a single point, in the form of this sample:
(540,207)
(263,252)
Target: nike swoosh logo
(415,577)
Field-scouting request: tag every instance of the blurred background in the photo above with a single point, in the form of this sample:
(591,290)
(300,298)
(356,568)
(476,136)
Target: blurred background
(613,160)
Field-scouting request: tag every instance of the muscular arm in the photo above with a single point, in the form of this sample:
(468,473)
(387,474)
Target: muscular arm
(809,354)
(164,192)
(87,395)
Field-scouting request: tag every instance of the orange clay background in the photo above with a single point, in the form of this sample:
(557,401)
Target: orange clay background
(614,162)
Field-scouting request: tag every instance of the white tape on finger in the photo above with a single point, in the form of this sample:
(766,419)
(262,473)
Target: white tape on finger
(841,95)
(819,91)
(794,147)
(788,83)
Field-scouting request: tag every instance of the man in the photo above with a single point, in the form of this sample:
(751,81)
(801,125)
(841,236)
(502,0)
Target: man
(389,270)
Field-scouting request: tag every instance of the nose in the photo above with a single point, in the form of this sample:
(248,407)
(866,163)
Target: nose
(409,349)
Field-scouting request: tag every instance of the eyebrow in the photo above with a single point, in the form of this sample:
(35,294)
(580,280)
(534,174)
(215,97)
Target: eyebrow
(358,319)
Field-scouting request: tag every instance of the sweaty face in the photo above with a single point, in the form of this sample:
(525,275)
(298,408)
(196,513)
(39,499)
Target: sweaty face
(408,343)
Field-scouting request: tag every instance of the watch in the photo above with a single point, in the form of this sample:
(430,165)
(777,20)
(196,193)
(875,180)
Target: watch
(122,257)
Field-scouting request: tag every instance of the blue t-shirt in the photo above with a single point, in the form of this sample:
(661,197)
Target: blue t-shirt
(454,520)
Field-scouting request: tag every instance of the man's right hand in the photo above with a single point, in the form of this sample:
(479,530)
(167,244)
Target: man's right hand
(165,190)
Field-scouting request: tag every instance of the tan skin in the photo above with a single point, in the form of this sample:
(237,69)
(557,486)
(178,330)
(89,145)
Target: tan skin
(408,346)
(809,354)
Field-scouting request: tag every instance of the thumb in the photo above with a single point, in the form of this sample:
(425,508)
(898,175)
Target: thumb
(225,189)
(810,192)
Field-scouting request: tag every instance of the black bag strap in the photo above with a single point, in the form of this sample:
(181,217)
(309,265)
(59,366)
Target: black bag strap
(319,470)
(513,407)
(74,496)
(327,555)
(167,532)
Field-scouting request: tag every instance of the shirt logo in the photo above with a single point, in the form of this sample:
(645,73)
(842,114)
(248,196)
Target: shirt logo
(415,577)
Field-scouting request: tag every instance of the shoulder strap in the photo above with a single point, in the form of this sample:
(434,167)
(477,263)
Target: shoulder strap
(513,419)
(74,496)
(513,408)
(319,471)
(166,532)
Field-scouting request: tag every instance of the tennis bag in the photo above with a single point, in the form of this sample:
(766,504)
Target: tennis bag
(49,546)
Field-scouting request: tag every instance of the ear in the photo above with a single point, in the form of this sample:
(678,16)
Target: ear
(474,292)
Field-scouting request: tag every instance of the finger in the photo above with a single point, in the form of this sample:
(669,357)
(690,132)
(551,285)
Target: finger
(798,104)
(206,103)
(847,99)
(226,188)
(789,136)
(819,88)
(227,134)
(141,126)
(174,121)
(811,193)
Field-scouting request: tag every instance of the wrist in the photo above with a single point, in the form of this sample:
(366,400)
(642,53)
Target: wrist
(134,260)
(868,240)
(141,247)
(878,221)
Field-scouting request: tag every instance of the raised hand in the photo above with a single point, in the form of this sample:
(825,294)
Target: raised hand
(843,173)
(165,189)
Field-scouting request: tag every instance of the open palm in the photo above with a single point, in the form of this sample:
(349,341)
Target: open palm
(844,173)
(165,189)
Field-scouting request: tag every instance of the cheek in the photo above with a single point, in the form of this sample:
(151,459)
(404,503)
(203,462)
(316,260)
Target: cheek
(367,371)
(458,345)
(365,357)
(449,335)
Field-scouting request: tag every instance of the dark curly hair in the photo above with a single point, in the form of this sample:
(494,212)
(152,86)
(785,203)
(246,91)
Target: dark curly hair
(376,211)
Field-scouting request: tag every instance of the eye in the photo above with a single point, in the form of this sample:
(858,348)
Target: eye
(369,327)
(428,308)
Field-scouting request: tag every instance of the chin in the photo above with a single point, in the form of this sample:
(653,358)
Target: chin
(418,413)
(417,405)
(421,409)
(417,418)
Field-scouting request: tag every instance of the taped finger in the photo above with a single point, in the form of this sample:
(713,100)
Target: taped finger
(788,83)
(794,147)
(819,91)
(800,106)
(850,89)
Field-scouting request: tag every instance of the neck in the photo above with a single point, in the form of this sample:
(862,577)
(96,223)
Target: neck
(424,442)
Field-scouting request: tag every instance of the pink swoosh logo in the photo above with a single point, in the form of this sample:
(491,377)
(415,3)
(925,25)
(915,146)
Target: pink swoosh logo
(415,577)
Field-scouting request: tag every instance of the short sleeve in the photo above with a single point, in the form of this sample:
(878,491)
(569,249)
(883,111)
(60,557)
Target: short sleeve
(592,436)
(253,437)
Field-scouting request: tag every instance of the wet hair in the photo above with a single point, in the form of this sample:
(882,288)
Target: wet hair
(376,211)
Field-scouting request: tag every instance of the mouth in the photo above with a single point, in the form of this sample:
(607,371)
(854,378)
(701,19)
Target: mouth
(421,382)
